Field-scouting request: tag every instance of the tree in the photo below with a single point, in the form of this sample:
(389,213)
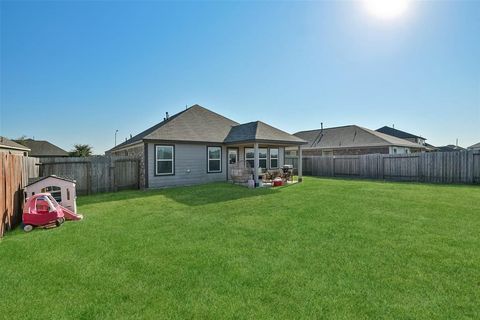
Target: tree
(81,150)
(21,140)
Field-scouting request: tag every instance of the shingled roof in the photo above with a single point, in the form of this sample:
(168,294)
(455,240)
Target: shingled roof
(260,132)
(42,148)
(475,146)
(198,124)
(351,136)
(398,133)
(9,144)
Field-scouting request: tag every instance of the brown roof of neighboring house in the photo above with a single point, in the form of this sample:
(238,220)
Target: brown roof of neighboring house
(9,144)
(198,124)
(450,148)
(398,133)
(42,148)
(351,136)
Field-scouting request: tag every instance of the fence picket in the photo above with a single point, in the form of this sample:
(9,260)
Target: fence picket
(15,170)
(96,174)
(436,167)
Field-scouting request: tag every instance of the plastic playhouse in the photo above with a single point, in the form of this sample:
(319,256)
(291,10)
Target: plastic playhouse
(61,188)
(49,202)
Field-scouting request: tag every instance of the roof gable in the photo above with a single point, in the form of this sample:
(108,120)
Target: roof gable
(195,124)
(260,131)
(351,136)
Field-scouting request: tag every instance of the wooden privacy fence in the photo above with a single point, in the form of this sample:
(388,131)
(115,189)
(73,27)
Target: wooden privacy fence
(95,174)
(15,170)
(436,167)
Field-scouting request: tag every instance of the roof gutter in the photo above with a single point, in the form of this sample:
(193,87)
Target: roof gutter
(15,148)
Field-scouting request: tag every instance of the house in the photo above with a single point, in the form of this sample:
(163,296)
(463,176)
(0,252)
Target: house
(62,190)
(353,140)
(402,135)
(450,148)
(12,147)
(198,145)
(42,148)
(475,147)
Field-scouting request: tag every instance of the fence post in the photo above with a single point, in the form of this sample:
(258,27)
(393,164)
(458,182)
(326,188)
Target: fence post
(470,167)
(89,178)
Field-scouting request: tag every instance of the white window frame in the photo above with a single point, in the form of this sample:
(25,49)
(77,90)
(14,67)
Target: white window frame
(214,159)
(270,157)
(55,192)
(253,159)
(172,160)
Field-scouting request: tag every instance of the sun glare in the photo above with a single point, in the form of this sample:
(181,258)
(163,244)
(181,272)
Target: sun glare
(386,9)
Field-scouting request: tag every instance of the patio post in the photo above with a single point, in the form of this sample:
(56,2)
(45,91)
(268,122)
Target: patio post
(256,164)
(300,169)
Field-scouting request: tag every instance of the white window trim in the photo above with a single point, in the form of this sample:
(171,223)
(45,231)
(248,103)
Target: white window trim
(172,160)
(253,159)
(214,159)
(270,157)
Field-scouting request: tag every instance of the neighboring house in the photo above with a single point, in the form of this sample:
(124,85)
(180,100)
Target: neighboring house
(430,147)
(450,148)
(197,146)
(475,147)
(402,135)
(12,147)
(354,140)
(42,148)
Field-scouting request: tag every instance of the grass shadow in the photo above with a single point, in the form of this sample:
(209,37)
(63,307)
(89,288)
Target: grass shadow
(198,195)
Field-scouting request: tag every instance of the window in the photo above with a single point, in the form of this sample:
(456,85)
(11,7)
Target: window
(262,157)
(273,158)
(214,159)
(164,160)
(55,191)
(232,156)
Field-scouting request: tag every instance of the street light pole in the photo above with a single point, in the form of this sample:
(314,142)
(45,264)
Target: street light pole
(116,137)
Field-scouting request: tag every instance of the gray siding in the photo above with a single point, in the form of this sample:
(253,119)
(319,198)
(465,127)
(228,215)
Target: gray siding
(193,158)
(190,166)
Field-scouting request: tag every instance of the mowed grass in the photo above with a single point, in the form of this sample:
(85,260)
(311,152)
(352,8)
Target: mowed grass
(322,249)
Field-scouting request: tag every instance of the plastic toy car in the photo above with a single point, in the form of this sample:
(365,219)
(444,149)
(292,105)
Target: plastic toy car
(42,210)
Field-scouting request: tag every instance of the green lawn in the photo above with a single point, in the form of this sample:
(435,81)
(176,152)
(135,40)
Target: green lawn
(322,249)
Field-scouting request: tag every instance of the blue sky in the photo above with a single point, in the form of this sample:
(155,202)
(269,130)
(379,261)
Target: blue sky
(74,72)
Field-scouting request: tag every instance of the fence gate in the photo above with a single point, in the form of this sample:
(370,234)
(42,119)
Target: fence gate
(126,174)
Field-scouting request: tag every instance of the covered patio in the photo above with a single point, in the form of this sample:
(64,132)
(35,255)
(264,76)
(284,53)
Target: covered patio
(261,147)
